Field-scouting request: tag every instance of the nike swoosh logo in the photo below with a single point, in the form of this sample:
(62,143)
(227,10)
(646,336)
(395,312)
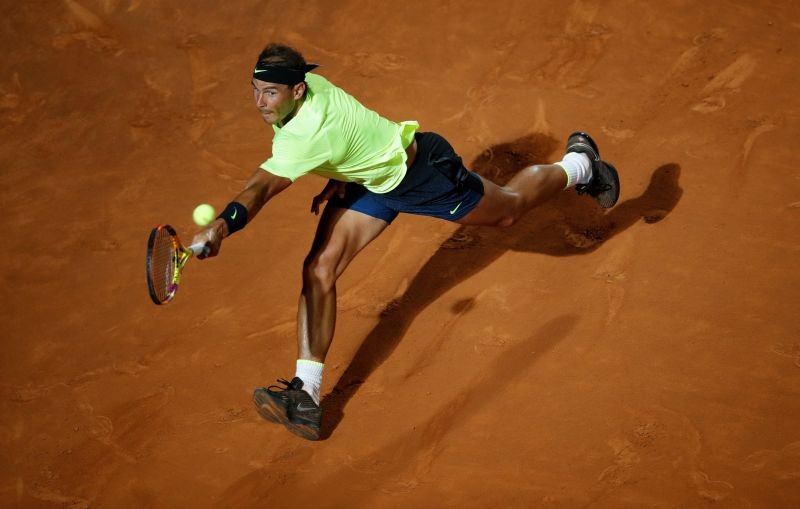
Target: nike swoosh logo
(303,408)
(454,210)
(236,211)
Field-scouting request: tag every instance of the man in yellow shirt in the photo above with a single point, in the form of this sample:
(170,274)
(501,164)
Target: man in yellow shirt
(376,169)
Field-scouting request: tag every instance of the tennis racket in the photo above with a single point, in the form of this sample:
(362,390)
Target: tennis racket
(166,257)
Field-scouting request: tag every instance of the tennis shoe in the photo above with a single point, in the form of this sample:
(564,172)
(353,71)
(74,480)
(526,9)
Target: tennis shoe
(291,406)
(603,184)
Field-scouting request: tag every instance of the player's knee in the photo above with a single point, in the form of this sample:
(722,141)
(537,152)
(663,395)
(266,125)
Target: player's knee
(511,213)
(320,271)
(500,206)
(507,220)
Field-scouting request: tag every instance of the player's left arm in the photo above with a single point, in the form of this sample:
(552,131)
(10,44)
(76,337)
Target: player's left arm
(259,189)
(333,187)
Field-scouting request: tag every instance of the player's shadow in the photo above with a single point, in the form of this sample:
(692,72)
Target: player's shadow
(565,226)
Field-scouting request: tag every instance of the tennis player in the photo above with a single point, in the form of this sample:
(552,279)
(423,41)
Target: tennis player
(376,169)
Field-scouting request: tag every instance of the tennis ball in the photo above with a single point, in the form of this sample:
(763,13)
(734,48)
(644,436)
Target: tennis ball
(203,214)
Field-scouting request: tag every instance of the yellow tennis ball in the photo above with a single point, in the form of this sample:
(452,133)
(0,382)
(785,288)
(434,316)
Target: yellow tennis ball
(203,214)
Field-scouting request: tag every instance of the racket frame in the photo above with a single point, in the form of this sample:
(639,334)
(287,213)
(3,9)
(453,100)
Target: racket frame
(180,255)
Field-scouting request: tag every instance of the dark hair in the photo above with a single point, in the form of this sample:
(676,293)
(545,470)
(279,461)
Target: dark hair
(281,55)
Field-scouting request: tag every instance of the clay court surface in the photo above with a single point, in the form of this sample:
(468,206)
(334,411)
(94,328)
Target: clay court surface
(648,356)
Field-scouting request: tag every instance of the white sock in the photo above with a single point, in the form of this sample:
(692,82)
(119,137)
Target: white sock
(310,372)
(578,168)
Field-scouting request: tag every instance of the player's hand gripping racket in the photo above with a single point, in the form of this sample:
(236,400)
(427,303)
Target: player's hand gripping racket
(166,257)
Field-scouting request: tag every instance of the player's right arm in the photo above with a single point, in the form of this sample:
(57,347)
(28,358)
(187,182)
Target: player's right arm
(260,188)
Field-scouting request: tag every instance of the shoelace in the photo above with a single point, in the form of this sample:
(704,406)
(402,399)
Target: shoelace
(290,386)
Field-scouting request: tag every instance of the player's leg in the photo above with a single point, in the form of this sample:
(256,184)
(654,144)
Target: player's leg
(503,205)
(340,235)
(534,185)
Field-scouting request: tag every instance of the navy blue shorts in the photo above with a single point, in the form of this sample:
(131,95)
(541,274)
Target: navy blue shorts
(436,185)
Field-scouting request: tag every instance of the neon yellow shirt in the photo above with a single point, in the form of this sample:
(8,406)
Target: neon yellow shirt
(336,137)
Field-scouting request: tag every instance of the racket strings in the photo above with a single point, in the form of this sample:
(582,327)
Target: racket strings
(163,266)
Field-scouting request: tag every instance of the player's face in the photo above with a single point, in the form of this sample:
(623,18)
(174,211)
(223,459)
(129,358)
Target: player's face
(276,102)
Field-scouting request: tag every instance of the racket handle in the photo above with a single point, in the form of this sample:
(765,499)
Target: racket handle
(200,249)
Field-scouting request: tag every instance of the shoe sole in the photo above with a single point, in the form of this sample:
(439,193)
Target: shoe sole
(608,174)
(267,407)
(273,411)
(302,430)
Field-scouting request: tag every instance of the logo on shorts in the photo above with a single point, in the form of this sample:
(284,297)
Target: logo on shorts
(454,210)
